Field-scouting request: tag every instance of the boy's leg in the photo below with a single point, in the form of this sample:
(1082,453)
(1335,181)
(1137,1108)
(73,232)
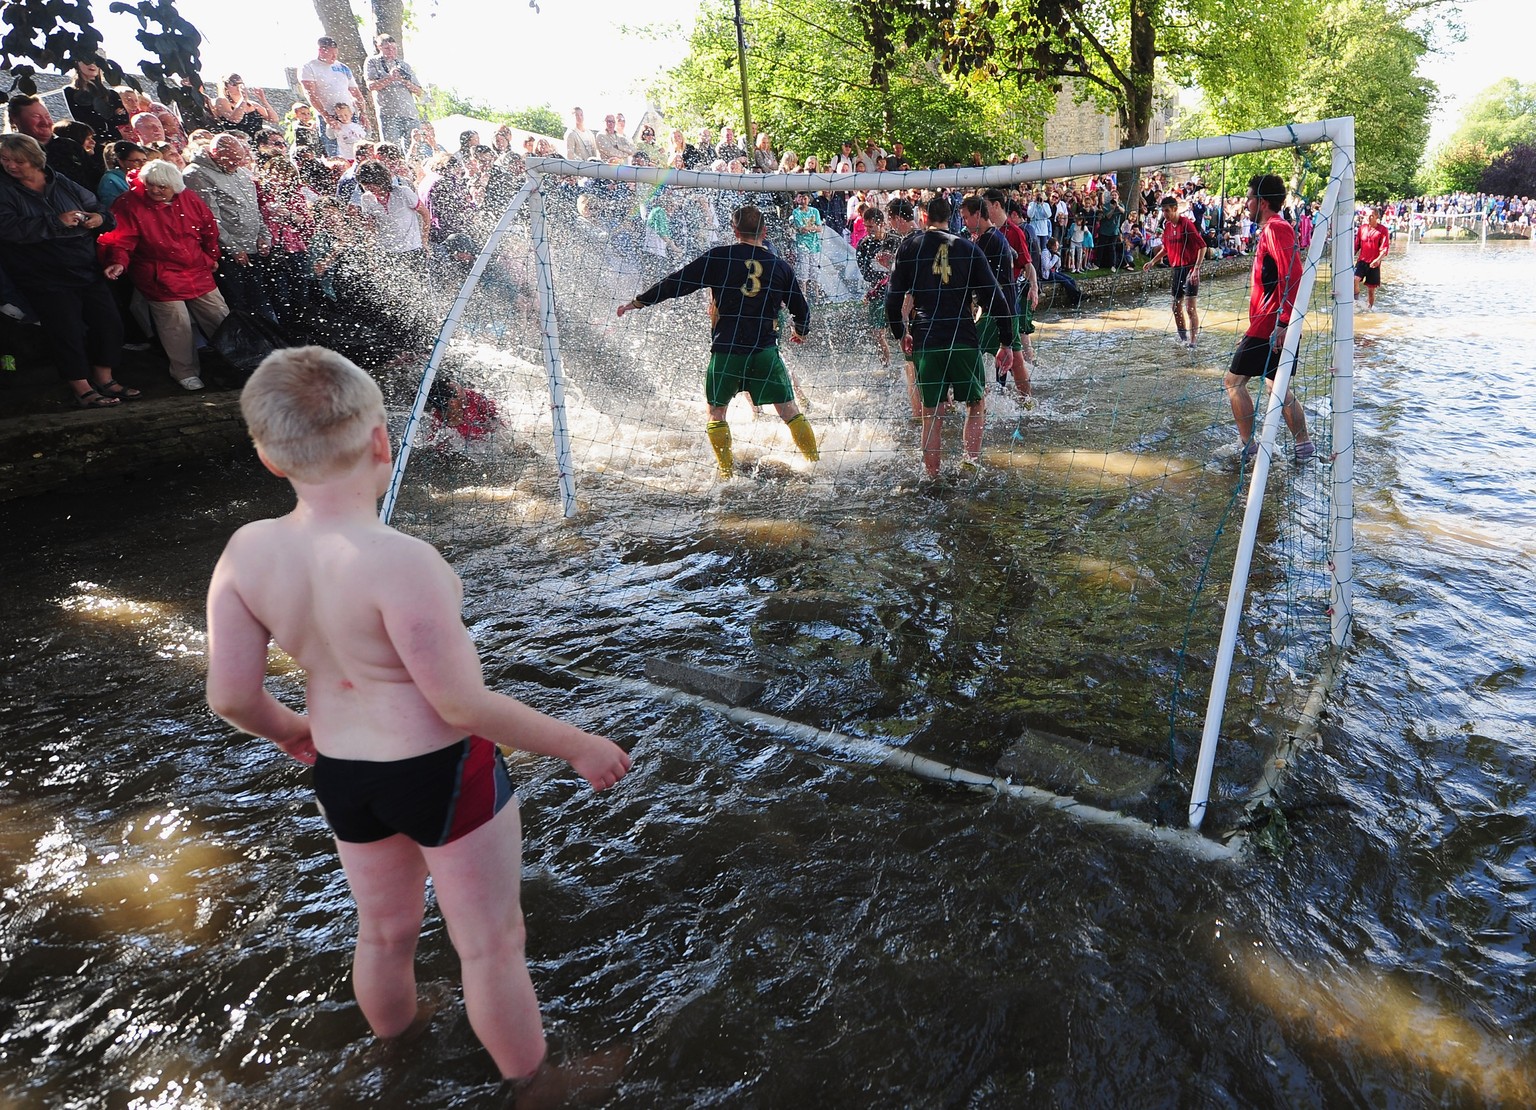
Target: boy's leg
(975,424)
(388,880)
(1295,418)
(477,879)
(1242,404)
(932,424)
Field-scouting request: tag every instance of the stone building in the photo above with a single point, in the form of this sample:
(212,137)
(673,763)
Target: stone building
(1085,128)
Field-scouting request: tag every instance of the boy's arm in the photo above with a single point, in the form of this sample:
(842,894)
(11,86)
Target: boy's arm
(237,669)
(420,607)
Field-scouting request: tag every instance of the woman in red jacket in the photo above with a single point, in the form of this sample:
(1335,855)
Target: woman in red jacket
(167,241)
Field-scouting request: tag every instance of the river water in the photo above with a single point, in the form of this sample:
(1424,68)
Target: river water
(758,927)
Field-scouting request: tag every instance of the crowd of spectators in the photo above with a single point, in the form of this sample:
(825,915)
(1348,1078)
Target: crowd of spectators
(139,221)
(126,224)
(1503,213)
(1082,226)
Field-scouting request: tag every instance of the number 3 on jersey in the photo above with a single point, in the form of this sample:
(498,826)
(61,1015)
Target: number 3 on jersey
(754,282)
(941,263)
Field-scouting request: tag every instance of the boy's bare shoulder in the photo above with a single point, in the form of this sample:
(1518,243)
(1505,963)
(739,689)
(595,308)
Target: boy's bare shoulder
(385,547)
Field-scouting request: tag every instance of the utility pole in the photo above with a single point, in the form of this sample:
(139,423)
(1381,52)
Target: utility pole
(741,57)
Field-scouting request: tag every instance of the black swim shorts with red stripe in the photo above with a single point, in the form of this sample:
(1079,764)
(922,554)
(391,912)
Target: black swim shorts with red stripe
(434,799)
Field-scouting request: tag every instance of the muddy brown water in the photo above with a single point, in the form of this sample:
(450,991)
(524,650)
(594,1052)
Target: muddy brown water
(762,927)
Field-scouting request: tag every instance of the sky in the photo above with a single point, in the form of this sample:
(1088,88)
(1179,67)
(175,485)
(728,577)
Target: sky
(1497,45)
(502,52)
(572,52)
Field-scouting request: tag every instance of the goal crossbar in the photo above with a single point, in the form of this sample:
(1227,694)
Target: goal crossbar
(963,177)
(1334,239)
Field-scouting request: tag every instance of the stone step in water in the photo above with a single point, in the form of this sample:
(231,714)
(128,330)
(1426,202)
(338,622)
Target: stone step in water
(727,687)
(1094,773)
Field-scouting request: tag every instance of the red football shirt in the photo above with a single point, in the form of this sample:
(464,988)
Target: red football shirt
(1371,244)
(1015,236)
(1276,273)
(1183,241)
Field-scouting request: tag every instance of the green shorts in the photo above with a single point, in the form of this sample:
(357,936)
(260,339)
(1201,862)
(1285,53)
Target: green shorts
(761,374)
(944,368)
(876,309)
(988,338)
(1026,315)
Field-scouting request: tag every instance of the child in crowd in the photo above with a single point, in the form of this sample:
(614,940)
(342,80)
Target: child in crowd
(122,158)
(400,728)
(300,128)
(1050,266)
(1075,246)
(459,413)
(806,222)
(348,133)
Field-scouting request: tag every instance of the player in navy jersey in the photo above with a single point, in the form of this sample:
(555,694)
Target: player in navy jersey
(748,284)
(1000,257)
(947,277)
(901,218)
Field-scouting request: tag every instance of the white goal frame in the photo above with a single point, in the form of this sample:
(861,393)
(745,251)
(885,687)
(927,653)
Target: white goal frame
(1334,232)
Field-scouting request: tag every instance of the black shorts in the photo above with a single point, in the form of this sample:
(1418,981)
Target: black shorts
(1186,282)
(1371,274)
(1254,356)
(434,799)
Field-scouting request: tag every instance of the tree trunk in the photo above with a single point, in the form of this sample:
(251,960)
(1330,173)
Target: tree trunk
(888,117)
(1137,118)
(389,19)
(340,24)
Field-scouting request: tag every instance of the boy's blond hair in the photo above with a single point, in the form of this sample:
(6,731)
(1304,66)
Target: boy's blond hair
(311,411)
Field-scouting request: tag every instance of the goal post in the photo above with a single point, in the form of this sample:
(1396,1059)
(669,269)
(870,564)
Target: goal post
(1334,235)
(581,349)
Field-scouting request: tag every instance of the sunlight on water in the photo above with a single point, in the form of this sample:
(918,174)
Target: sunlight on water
(1386,1019)
(1119,576)
(768,531)
(1438,529)
(1090,468)
(171,635)
(155,879)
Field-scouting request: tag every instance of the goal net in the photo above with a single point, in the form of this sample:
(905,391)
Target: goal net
(1055,614)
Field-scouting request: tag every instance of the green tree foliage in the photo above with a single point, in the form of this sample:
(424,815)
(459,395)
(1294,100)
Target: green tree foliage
(1500,117)
(814,81)
(1457,167)
(440,102)
(543,119)
(1362,60)
(53,34)
(1513,173)
(1114,49)
(1348,58)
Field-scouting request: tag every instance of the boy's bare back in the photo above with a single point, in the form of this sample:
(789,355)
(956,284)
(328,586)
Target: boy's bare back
(394,686)
(333,595)
(371,615)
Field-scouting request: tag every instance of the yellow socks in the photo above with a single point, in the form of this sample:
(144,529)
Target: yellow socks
(719,433)
(804,437)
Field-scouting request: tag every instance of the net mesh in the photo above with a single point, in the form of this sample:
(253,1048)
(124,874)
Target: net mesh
(1072,586)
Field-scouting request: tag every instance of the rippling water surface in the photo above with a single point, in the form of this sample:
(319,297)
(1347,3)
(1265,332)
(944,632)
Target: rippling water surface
(761,928)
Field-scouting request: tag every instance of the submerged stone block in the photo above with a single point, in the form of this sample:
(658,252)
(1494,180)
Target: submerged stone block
(726,687)
(1094,773)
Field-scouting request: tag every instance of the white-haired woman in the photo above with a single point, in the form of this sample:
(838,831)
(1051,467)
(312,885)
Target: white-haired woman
(167,241)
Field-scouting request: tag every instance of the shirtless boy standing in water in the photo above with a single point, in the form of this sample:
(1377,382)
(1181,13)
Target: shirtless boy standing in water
(400,728)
